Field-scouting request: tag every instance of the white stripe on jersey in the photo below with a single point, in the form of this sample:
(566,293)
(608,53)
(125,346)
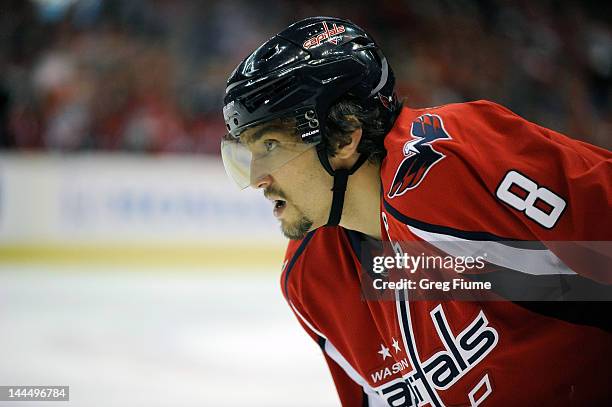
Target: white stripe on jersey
(374,399)
(535,262)
(306,322)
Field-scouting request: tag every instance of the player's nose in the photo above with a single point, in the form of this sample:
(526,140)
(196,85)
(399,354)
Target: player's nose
(261,182)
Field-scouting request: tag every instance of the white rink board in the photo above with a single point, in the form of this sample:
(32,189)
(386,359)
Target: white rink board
(135,338)
(116,199)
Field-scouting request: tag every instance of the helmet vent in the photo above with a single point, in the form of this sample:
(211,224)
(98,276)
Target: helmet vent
(362,43)
(274,91)
(270,53)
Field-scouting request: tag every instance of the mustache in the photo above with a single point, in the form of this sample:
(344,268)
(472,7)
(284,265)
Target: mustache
(271,191)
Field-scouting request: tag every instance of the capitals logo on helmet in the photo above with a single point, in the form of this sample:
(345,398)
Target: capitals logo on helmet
(331,35)
(420,156)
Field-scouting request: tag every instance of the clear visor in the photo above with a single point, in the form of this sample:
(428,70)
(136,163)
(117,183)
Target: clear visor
(246,163)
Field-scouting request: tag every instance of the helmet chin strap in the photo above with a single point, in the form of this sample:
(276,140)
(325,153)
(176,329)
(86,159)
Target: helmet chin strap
(340,181)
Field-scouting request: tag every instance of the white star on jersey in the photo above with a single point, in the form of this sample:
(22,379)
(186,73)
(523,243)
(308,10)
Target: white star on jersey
(396,345)
(384,352)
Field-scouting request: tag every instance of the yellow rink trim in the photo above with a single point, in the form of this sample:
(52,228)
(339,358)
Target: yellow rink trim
(241,256)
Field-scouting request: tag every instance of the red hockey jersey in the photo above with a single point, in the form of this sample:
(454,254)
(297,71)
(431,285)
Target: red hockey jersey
(461,173)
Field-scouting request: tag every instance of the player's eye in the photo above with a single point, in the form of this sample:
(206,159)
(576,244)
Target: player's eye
(270,145)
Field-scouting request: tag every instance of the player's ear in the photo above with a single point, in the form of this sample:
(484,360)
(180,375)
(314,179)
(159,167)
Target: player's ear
(347,145)
(349,150)
(345,151)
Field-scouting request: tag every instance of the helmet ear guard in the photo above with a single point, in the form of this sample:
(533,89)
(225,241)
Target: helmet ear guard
(300,73)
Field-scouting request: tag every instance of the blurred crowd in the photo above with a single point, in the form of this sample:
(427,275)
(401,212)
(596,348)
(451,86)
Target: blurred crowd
(149,76)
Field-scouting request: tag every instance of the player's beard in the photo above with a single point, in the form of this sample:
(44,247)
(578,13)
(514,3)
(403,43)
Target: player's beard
(297,228)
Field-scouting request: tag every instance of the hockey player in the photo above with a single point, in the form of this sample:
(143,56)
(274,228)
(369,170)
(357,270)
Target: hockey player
(314,122)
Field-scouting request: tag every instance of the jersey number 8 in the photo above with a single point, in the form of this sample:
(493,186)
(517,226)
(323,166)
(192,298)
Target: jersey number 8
(538,203)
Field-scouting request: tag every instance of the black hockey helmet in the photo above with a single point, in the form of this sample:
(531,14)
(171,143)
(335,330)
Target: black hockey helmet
(300,73)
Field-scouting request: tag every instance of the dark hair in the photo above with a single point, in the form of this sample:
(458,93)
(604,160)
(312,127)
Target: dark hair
(339,126)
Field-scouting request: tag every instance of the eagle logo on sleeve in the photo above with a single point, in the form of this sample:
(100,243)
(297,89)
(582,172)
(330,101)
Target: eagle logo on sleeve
(420,156)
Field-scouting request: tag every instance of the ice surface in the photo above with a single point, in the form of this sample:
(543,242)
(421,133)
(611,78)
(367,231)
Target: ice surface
(121,337)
